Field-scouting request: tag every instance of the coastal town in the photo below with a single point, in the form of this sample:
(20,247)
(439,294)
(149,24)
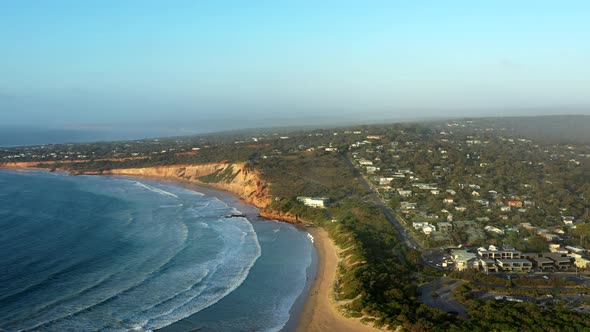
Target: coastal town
(493,202)
(454,191)
(463,211)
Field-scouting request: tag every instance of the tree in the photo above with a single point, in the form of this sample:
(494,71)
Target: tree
(537,243)
(583,231)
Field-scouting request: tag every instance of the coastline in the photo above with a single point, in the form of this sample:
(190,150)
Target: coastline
(319,310)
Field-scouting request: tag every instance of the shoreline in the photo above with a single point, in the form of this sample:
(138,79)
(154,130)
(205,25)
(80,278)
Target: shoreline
(319,311)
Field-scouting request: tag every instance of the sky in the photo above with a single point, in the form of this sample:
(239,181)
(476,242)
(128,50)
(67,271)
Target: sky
(184,66)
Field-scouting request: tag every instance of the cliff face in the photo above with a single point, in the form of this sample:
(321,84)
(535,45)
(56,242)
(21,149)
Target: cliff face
(25,164)
(238,180)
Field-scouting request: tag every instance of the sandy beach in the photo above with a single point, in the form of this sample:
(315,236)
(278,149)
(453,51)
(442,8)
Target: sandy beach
(319,311)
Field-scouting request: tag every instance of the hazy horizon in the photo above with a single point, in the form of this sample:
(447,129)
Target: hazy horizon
(143,69)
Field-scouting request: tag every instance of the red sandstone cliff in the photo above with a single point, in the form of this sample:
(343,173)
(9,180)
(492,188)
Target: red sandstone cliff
(243,182)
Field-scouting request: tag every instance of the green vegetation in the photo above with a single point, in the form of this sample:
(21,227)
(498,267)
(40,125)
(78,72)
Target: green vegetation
(492,315)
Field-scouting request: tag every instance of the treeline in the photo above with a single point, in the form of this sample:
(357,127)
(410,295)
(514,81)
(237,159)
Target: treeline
(493,315)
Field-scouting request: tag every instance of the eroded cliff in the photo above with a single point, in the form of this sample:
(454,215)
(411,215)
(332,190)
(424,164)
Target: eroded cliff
(235,178)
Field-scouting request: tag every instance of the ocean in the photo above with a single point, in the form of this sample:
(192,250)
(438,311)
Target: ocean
(97,253)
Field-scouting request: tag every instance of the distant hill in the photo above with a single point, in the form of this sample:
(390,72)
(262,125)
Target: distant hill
(549,129)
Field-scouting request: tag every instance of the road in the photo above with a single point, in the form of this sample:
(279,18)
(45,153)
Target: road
(404,235)
(444,288)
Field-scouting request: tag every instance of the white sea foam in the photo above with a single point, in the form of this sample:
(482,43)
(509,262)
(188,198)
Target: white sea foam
(154,189)
(162,301)
(229,263)
(171,206)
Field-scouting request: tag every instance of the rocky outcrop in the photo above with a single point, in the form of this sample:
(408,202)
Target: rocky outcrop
(277,215)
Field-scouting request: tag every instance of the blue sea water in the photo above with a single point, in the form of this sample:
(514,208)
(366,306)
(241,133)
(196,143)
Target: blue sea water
(90,253)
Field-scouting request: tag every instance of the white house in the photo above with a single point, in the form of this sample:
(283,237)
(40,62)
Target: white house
(315,202)
(404,193)
(372,169)
(385,180)
(568,220)
(463,259)
(428,229)
(365,162)
(493,229)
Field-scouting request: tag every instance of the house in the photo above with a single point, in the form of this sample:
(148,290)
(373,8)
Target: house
(528,226)
(517,204)
(575,250)
(488,265)
(514,265)
(464,260)
(475,193)
(460,208)
(428,229)
(435,191)
(426,186)
(543,263)
(451,191)
(365,162)
(372,170)
(494,253)
(418,225)
(445,227)
(315,202)
(568,220)
(483,202)
(548,236)
(404,193)
(559,261)
(408,206)
(492,229)
(385,180)
(582,263)
(448,200)
(425,227)
(505,208)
